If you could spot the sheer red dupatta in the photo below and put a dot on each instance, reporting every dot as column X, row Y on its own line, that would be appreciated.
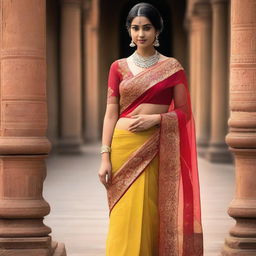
column 180, row 229
column 177, row 131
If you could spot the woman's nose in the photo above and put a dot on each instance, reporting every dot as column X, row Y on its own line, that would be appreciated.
column 141, row 32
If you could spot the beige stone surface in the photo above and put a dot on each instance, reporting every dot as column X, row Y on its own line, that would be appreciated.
column 203, row 44
column 71, row 75
column 23, row 125
column 218, row 150
column 242, row 134
column 193, row 64
column 92, row 71
column 79, row 211
column 53, row 68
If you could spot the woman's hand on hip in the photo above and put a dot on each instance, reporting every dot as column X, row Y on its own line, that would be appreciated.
column 143, row 122
column 105, row 173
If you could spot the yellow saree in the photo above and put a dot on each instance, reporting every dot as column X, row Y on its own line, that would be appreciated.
column 134, row 219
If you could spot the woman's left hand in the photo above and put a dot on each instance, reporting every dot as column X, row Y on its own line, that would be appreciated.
column 144, row 122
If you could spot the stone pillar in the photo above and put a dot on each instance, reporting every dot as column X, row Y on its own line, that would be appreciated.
column 197, row 75
column 202, row 10
column 91, row 71
column 218, row 150
column 23, row 124
column 71, row 89
column 242, row 135
column 52, row 56
column 192, row 63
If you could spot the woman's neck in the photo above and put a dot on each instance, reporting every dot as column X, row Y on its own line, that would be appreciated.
column 146, row 52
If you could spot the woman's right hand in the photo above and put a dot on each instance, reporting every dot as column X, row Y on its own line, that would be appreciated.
column 105, row 173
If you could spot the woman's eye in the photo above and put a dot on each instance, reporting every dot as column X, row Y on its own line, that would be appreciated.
column 134, row 28
column 147, row 28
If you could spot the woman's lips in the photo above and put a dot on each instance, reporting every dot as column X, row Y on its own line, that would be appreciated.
column 141, row 41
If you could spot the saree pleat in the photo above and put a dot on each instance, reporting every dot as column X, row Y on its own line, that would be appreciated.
column 133, row 222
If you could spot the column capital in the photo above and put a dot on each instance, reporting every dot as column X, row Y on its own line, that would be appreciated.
column 218, row 1
column 75, row 2
column 87, row 5
column 197, row 9
column 190, row 23
column 202, row 9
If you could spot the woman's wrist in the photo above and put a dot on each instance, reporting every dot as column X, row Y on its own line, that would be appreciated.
column 105, row 149
column 157, row 118
column 105, row 156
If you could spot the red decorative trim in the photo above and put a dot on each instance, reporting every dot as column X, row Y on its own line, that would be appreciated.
column 169, row 178
column 131, row 169
column 132, row 87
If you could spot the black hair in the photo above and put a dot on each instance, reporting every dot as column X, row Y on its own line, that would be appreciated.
column 147, row 10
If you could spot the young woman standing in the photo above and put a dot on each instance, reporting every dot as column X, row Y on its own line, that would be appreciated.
column 149, row 159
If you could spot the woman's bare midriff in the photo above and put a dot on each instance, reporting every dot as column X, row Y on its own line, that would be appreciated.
column 142, row 109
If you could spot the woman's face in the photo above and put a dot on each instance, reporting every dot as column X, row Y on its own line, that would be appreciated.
column 142, row 32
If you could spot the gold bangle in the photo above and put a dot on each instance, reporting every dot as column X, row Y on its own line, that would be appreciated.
column 105, row 148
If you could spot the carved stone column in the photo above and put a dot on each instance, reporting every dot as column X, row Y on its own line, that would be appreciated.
column 52, row 57
column 23, row 124
column 71, row 83
column 192, row 62
column 218, row 150
column 242, row 135
column 91, row 71
column 202, row 11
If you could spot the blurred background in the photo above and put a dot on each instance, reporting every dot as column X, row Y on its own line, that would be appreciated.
column 83, row 39
column 55, row 58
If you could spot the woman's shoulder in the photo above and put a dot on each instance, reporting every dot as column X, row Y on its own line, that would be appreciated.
column 173, row 62
column 171, row 59
column 117, row 61
column 118, row 67
column 117, row 64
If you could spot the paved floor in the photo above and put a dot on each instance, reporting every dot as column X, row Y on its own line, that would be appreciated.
column 79, row 211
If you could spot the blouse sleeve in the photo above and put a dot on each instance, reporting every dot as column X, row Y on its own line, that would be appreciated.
column 113, row 84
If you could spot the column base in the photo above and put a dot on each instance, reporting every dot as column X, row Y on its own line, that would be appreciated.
column 218, row 153
column 69, row 146
column 25, row 246
column 24, row 252
column 58, row 249
column 24, row 145
column 238, row 246
column 201, row 148
column 31, row 246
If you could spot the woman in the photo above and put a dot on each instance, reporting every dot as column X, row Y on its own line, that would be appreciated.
column 149, row 160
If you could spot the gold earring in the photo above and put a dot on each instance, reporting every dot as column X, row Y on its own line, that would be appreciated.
column 156, row 43
column 132, row 44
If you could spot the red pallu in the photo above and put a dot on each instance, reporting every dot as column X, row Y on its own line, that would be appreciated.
column 180, row 226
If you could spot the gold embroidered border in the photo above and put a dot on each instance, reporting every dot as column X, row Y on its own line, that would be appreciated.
column 123, row 69
column 110, row 97
column 169, row 178
column 194, row 244
column 132, row 88
column 131, row 169
column 198, row 244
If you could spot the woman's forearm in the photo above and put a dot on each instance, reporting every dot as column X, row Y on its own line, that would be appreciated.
column 157, row 118
column 108, row 129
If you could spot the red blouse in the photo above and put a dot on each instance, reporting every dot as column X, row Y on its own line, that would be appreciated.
column 159, row 94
